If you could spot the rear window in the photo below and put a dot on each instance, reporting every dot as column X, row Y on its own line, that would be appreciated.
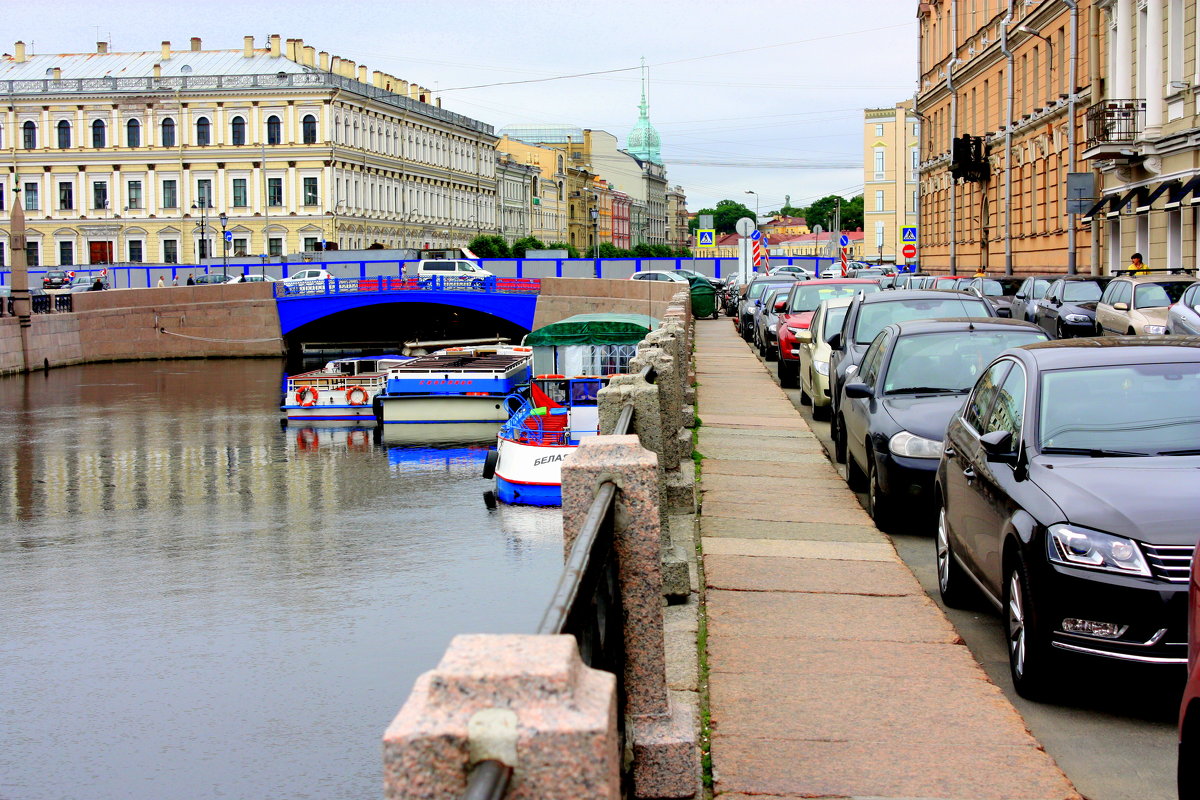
column 1081, row 291
column 1157, row 295
column 756, row 289
column 806, row 297
column 874, row 317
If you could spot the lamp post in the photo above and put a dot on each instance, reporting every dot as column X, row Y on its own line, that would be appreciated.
column 224, row 245
column 204, row 250
column 748, row 191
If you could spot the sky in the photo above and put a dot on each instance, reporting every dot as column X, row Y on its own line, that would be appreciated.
column 764, row 98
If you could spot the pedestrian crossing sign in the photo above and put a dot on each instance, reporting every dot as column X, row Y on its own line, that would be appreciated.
column 706, row 238
column 908, row 235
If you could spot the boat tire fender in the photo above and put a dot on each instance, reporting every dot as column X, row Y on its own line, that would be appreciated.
column 489, row 463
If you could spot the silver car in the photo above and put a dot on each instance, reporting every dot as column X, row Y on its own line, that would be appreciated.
column 1183, row 318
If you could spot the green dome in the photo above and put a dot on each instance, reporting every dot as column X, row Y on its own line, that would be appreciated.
column 644, row 141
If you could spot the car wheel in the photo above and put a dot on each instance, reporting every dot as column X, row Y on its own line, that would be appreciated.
column 1187, row 774
column 477, row 284
column 716, row 312
column 770, row 353
column 1131, row 332
column 805, row 399
column 787, row 374
column 855, row 478
column 1029, row 653
column 1059, row 333
column 879, row 505
column 820, row 412
column 839, row 439
column 952, row 579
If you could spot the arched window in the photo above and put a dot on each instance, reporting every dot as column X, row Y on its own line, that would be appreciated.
column 273, row 132
column 29, row 135
column 98, row 134
column 203, row 131
column 64, row 134
column 168, row 132
column 309, row 125
column 133, row 133
column 237, row 130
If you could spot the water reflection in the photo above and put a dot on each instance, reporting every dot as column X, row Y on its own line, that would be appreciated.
column 221, row 606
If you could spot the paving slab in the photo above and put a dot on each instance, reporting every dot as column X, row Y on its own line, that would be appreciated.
column 783, row 549
column 754, row 574
column 769, row 509
column 738, row 528
column 765, row 469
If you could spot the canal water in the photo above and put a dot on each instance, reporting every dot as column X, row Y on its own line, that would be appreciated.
column 196, row 602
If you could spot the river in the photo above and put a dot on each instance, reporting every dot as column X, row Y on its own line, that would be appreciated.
column 200, row 603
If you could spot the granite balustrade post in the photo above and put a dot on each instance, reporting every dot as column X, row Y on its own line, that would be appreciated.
column 528, row 701
column 662, row 732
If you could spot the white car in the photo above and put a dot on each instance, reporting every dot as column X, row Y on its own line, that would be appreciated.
column 658, row 275
column 789, row 269
column 306, row 281
column 252, row 278
column 451, row 273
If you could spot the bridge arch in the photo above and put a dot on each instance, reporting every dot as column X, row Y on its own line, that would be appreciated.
column 295, row 312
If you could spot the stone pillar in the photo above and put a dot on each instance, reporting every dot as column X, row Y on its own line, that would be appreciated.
column 1153, row 65
column 22, row 308
column 527, row 701
column 662, row 733
column 1124, row 53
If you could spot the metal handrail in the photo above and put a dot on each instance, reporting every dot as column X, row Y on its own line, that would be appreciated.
column 488, row 781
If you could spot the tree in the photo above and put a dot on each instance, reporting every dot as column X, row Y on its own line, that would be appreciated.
column 643, row 250
column 490, row 246
column 524, row 245
column 683, row 252
column 852, row 214
column 610, row 250
column 725, row 216
column 821, row 212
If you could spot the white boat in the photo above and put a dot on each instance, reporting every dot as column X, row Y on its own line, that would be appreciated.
column 455, row 386
column 342, row 391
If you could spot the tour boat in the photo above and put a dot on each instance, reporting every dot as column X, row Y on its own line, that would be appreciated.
column 560, row 410
column 454, row 386
column 342, row 391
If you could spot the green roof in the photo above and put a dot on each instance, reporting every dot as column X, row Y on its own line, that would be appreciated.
column 593, row 329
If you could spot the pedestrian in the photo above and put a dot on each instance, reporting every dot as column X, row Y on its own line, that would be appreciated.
column 174, row 280
column 1136, row 266
column 161, row 282
column 97, row 286
column 191, row 281
column 981, row 272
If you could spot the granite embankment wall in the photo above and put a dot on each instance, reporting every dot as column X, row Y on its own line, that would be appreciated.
column 124, row 325
column 565, row 297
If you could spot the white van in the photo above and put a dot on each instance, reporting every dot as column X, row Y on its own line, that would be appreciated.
column 455, row 272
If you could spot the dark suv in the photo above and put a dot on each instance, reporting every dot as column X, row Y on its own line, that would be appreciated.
column 56, row 279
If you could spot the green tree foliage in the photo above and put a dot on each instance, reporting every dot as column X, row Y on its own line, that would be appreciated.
column 572, row 250
column 852, row 213
column 522, row 246
column 821, row 212
column 610, row 250
column 725, row 216
column 489, row 247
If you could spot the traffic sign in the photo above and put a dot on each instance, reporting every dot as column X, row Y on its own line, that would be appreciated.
column 706, row 238
column 756, row 235
column 744, row 226
column 844, row 241
column 908, row 234
column 229, row 236
column 909, row 251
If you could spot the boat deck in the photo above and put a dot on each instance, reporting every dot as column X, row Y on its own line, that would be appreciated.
column 461, row 362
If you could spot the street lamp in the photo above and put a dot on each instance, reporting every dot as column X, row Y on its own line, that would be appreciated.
column 595, row 232
column 224, row 245
column 748, row 191
column 204, row 250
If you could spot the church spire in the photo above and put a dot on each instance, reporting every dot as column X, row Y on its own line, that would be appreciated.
column 643, row 140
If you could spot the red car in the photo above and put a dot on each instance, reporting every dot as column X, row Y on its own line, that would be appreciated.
column 1189, row 710
column 797, row 314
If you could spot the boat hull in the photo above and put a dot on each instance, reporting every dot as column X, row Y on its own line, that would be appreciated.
column 441, row 409
column 346, row 415
column 530, row 474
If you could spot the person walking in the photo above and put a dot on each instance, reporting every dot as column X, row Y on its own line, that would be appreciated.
column 1136, row 266
column 161, row 282
column 174, row 280
column 191, row 281
column 981, row 272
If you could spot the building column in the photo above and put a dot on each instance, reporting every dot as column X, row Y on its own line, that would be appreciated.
column 1123, row 54
column 1155, row 87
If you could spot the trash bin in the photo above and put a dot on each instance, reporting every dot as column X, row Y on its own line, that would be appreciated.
column 704, row 298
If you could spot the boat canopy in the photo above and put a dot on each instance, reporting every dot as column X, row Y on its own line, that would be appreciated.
column 593, row 329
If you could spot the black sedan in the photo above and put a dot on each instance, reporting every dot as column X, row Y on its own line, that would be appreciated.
column 896, row 408
column 1067, row 494
column 868, row 314
column 1068, row 308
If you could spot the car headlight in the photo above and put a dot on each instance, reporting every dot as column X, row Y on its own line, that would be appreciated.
column 772, row 327
column 794, row 331
column 1156, row 330
column 1077, row 318
column 821, row 367
column 1081, row 547
column 913, row 446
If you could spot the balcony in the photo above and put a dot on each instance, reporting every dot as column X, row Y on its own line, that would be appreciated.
column 1113, row 128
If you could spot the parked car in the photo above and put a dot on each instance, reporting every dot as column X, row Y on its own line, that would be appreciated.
column 1000, row 292
column 751, row 297
column 1069, row 306
column 766, row 323
column 252, row 277
column 212, row 278
column 1066, row 494
column 812, row 346
column 1029, row 294
column 658, row 275
column 905, row 280
column 802, row 303
column 1188, row 770
column 1184, row 317
column 87, row 283
column 871, row 313
column 895, row 408
column 1137, row 304
column 56, row 279
column 790, row 269
column 306, row 281
column 453, row 273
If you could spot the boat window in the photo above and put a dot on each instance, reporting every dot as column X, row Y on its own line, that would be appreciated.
column 556, row 390
column 583, row 393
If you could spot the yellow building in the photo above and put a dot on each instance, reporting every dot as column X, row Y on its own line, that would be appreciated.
column 548, row 216
column 132, row 157
column 891, row 140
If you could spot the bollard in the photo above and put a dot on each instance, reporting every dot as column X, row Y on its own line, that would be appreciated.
column 564, row 740
column 662, row 732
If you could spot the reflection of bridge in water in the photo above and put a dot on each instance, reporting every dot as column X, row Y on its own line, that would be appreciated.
column 511, row 299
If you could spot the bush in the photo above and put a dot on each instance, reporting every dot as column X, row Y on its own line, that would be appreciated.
column 572, row 250
column 524, row 245
column 490, row 247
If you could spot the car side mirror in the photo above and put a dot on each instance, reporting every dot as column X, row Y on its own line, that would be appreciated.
column 835, row 342
column 1019, row 296
column 858, row 390
column 1120, row 306
column 804, row 337
column 1004, row 312
column 758, row 303
column 780, row 305
column 998, row 446
column 1055, row 301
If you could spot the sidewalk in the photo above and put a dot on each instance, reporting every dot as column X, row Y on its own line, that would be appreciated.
column 831, row 674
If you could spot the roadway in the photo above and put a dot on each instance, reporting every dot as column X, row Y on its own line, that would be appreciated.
column 1113, row 734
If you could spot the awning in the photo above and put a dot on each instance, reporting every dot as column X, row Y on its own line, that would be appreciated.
column 1188, row 189
column 593, row 329
column 1156, row 193
column 1098, row 209
column 1136, row 193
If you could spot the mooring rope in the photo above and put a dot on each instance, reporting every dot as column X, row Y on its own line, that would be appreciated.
column 210, row 339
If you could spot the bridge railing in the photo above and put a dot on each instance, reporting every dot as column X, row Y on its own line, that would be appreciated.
column 383, row 283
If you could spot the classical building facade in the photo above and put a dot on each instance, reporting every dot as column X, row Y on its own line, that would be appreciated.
column 1142, row 136
column 891, row 137
column 1001, row 73
column 677, row 218
column 133, row 156
column 514, row 196
column 548, row 215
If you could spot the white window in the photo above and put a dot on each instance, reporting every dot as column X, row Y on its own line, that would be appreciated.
column 879, row 228
column 879, row 199
column 879, row 171
column 879, row 130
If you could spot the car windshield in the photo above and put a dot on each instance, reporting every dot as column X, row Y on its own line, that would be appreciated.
column 949, row 361
column 807, row 297
column 1138, row 409
column 756, row 289
column 1157, row 295
column 1039, row 289
column 874, row 317
column 834, row 317
column 1081, row 291
column 1001, row 288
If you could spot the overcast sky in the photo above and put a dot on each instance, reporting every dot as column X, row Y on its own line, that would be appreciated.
column 777, row 81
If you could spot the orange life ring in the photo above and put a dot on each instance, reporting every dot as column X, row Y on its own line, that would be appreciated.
column 306, row 439
column 306, row 392
column 350, row 393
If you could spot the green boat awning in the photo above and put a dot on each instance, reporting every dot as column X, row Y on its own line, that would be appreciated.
column 593, row 329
